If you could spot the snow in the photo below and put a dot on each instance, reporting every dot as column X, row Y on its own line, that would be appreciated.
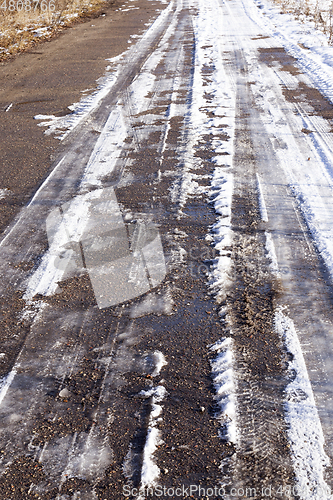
column 271, row 255
column 261, row 199
column 304, row 426
column 6, row 382
column 160, row 361
column 150, row 471
column 208, row 30
column 221, row 195
column 315, row 59
column 107, row 150
column 307, row 159
column 223, row 380
column 304, row 430
column 307, row 183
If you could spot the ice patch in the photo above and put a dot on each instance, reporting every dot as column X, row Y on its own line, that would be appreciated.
column 87, row 455
column 153, row 304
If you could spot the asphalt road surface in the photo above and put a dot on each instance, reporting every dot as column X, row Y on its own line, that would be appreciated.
column 166, row 294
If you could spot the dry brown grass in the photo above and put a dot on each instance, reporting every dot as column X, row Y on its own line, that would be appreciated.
column 23, row 23
column 318, row 11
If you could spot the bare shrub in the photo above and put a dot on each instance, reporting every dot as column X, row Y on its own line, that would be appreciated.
column 320, row 12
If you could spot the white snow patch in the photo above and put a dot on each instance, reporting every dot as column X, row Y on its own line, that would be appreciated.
column 207, row 23
column 271, row 254
column 305, row 431
column 160, row 361
column 6, row 382
column 223, row 379
column 107, row 150
column 44, row 280
column 261, row 199
column 221, row 195
column 150, row 471
column 4, row 193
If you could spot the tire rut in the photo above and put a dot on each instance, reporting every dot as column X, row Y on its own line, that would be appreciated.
column 263, row 458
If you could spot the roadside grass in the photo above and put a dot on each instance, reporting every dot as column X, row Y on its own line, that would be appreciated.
column 320, row 12
column 23, row 23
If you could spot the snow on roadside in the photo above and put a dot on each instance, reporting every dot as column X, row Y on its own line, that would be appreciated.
column 306, row 159
column 304, row 427
column 300, row 39
column 305, row 432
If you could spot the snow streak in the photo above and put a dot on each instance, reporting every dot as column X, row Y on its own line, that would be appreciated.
column 223, row 378
column 150, row 471
column 210, row 117
column 262, row 204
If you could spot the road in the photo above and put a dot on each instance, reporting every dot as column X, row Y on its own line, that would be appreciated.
column 166, row 293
